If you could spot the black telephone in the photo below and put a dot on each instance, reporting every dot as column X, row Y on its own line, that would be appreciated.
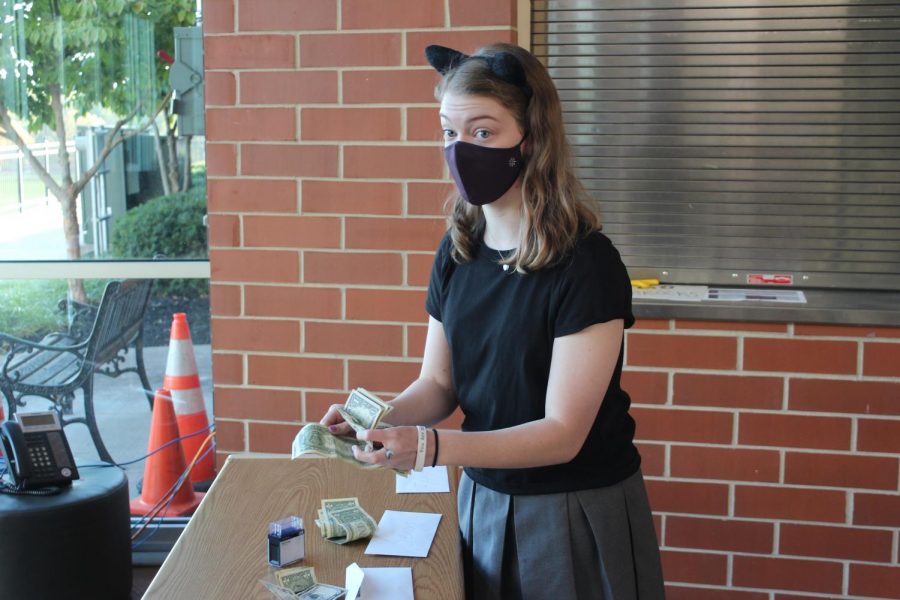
column 37, row 451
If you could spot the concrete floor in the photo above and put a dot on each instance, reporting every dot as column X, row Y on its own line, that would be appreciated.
column 123, row 413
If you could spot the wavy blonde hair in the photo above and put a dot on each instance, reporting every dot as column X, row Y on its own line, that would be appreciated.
column 556, row 206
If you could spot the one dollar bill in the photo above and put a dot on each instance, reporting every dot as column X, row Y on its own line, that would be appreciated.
column 298, row 579
column 343, row 520
column 316, row 439
column 364, row 410
column 300, row 584
column 323, row 591
column 279, row 592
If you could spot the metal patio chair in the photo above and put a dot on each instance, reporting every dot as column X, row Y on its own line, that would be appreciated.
column 61, row 363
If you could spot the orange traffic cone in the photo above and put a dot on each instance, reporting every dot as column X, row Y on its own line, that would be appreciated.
column 183, row 382
column 165, row 467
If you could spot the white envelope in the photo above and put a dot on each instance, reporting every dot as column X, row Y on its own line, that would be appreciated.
column 403, row 533
column 428, row 480
column 379, row 583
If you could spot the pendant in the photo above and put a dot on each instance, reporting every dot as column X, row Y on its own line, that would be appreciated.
column 505, row 267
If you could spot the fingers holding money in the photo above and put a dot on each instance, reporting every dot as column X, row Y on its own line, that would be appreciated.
column 335, row 422
column 383, row 457
column 397, row 450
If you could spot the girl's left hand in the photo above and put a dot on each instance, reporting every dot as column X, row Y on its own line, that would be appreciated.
column 398, row 447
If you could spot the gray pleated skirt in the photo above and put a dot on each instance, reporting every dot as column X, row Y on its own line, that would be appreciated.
column 597, row 544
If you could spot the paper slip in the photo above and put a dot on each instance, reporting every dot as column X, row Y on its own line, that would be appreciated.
column 758, row 295
column 385, row 583
column 680, row 293
column 404, row 534
column 428, row 480
column 353, row 581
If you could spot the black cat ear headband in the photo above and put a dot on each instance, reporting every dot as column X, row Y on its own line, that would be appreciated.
column 503, row 65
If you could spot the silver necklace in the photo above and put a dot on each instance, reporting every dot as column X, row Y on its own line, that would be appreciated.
column 504, row 266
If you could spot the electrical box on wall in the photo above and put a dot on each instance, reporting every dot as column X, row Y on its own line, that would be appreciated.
column 186, row 78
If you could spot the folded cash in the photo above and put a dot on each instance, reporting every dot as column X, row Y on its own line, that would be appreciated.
column 323, row 591
column 343, row 520
column 297, row 579
column 316, row 439
column 363, row 410
column 300, row 584
column 279, row 592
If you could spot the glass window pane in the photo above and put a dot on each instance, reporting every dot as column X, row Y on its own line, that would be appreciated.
column 86, row 87
column 38, row 310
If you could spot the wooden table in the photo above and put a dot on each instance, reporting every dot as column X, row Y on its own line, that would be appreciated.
column 223, row 551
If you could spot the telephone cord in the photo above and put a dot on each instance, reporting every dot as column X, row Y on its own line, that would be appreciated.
column 166, row 499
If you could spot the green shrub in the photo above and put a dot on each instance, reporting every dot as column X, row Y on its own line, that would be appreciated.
column 198, row 175
column 167, row 225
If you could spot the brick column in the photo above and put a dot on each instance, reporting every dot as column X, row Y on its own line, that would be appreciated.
column 326, row 183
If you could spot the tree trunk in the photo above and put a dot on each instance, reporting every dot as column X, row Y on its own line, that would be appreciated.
column 186, row 179
column 71, row 230
column 67, row 200
column 171, row 141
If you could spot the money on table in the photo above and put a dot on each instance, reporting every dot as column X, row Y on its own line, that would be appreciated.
column 278, row 591
column 297, row 580
column 320, row 591
column 300, row 584
column 343, row 520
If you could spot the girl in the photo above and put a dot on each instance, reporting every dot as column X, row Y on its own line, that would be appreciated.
column 528, row 303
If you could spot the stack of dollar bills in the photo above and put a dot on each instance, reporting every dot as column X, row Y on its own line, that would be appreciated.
column 343, row 520
column 300, row 583
column 363, row 410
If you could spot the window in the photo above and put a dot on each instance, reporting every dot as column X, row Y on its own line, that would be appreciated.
column 726, row 140
column 85, row 96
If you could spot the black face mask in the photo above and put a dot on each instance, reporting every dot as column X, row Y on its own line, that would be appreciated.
column 483, row 174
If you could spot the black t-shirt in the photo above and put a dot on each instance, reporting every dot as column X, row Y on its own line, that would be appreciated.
column 501, row 325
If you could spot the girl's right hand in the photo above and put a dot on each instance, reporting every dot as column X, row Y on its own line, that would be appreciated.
column 335, row 422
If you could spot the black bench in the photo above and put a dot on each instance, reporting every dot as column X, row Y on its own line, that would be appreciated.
column 61, row 363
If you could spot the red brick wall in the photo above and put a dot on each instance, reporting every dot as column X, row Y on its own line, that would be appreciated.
column 772, row 456
column 771, row 451
column 326, row 185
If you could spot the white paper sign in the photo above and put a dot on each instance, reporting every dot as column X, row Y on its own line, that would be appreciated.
column 428, row 480
column 404, row 534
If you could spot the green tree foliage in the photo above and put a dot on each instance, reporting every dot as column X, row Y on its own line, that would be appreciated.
column 77, row 55
column 87, row 47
